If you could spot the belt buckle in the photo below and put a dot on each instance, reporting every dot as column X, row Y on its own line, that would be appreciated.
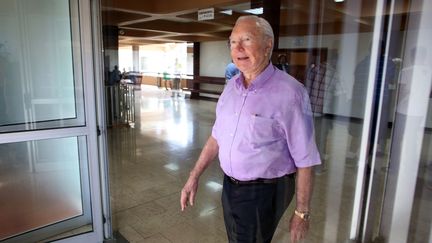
column 234, row 180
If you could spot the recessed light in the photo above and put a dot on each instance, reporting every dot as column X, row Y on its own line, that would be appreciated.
column 227, row 12
column 338, row 1
column 256, row 11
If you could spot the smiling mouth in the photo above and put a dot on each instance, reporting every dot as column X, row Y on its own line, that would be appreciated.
column 242, row 58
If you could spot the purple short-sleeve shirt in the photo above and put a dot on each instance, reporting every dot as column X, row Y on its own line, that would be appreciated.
column 266, row 130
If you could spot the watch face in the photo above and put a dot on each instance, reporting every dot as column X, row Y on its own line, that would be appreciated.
column 304, row 216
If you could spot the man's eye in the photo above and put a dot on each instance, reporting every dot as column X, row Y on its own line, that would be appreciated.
column 247, row 41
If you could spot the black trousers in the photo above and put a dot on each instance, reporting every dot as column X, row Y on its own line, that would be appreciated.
column 252, row 211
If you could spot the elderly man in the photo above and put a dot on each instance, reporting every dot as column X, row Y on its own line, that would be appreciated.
column 264, row 137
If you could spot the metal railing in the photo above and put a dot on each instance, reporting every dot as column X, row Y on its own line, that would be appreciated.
column 120, row 104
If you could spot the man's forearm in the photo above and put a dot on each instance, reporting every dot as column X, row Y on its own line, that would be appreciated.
column 304, row 187
column 208, row 153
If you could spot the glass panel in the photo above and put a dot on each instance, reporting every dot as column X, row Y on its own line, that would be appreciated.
column 40, row 86
column 44, row 182
column 407, row 204
column 420, row 228
column 416, row 76
column 335, row 62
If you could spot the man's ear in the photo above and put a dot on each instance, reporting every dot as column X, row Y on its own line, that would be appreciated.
column 268, row 48
column 269, row 45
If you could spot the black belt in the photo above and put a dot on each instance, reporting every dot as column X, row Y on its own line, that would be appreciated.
column 259, row 180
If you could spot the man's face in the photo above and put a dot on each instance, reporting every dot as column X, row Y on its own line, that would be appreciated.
column 249, row 47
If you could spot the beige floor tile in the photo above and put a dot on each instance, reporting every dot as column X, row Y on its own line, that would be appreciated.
column 157, row 224
column 157, row 238
column 131, row 234
column 211, row 221
column 185, row 233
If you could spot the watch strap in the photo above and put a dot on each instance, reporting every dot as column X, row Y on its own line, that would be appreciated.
column 303, row 215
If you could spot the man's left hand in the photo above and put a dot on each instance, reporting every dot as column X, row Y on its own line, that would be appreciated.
column 298, row 228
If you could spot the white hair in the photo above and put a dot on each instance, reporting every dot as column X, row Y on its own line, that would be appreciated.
column 263, row 25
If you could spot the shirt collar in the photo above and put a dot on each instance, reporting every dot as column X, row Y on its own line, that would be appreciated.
column 259, row 81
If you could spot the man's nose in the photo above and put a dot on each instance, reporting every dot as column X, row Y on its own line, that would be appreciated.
column 239, row 45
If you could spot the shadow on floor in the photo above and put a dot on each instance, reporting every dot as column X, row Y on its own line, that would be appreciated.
column 118, row 238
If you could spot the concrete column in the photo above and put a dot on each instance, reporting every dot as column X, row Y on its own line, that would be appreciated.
column 196, row 69
column 110, row 46
column 135, row 58
column 110, row 52
column 272, row 15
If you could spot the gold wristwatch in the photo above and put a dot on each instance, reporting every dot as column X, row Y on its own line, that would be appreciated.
column 303, row 215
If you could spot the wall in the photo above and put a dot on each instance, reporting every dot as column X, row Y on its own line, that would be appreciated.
column 149, row 80
column 152, row 80
column 214, row 57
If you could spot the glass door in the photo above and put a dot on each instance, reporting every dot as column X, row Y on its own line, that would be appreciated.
column 49, row 170
column 399, row 201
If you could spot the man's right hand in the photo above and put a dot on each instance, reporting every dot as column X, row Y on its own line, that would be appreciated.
column 207, row 155
column 188, row 192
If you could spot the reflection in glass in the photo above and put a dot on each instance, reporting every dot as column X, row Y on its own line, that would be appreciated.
column 409, row 178
column 338, row 98
column 41, row 183
column 415, row 90
column 38, row 86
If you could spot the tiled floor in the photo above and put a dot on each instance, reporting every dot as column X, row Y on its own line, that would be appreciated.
column 150, row 163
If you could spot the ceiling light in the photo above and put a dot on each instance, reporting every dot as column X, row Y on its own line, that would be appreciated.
column 338, row 1
column 256, row 11
column 227, row 12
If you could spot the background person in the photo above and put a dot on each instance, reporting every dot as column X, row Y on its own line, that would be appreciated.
column 167, row 80
column 359, row 93
column 230, row 71
column 115, row 75
column 282, row 63
column 264, row 137
column 323, row 86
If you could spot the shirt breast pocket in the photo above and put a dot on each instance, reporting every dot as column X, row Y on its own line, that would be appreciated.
column 263, row 131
